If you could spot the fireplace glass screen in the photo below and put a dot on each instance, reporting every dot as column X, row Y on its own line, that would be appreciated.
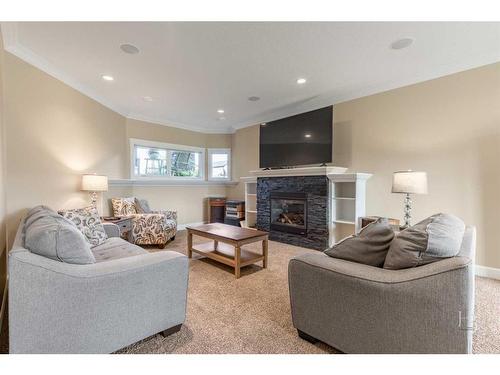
column 288, row 212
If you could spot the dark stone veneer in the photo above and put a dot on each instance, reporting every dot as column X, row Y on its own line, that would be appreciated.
column 316, row 188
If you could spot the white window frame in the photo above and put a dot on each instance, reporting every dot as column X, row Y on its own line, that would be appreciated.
column 170, row 146
column 212, row 151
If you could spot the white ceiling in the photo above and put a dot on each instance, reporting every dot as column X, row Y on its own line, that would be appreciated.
column 193, row 69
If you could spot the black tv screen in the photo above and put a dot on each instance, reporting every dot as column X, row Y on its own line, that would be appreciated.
column 297, row 140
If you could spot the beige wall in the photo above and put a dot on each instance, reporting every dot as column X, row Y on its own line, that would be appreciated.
column 162, row 133
column 54, row 134
column 245, row 151
column 188, row 201
column 449, row 127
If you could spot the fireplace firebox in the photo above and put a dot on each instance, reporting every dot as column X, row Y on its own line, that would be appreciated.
column 289, row 212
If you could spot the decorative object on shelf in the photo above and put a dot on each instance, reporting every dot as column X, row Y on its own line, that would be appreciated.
column 409, row 182
column 94, row 183
column 235, row 212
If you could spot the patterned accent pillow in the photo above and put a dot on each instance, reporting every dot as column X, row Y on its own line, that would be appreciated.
column 123, row 206
column 88, row 222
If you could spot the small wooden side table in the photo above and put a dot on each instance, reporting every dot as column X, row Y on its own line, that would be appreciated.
column 124, row 223
column 394, row 223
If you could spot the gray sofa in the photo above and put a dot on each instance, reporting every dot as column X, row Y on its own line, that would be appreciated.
column 127, row 295
column 363, row 309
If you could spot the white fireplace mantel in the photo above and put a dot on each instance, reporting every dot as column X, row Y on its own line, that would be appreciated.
column 301, row 171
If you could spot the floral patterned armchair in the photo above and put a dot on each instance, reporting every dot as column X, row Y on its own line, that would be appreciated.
column 149, row 227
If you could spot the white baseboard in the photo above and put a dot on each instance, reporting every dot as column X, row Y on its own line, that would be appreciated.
column 490, row 272
column 183, row 226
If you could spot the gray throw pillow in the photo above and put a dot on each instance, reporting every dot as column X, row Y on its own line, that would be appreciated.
column 369, row 246
column 142, row 206
column 57, row 238
column 36, row 213
column 88, row 221
column 435, row 238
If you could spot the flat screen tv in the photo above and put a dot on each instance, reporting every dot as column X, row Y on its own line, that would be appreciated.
column 297, row 140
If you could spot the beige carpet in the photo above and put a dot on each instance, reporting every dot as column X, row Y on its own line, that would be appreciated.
column 252, row 314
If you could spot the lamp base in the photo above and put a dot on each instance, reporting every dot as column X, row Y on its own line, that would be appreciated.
column 93, row 199
column 407, row 210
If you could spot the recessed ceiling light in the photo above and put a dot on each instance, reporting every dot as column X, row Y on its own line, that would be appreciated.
column 401, row 43
column 301, row 81
column 107, row 78
column 129, row 48
column 307, row 135
column 147, row 98
column 220, row 111
column 253, row 98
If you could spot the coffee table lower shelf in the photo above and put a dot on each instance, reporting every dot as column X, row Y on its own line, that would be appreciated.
column 226, row 245
column 225, row 253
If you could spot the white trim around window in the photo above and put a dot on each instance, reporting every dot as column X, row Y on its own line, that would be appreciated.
column 219, row 151
column 169, row 147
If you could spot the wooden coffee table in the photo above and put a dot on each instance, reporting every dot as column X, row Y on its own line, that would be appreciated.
column 226, row 245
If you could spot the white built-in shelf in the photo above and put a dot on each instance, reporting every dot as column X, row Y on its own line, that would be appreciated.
column 250, row 199
column 347, row 203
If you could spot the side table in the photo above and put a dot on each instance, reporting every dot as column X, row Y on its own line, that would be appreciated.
column 124, row 223
column 394, row 223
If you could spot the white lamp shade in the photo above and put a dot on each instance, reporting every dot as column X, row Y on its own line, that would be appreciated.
column 409, row 182
column 93, row 182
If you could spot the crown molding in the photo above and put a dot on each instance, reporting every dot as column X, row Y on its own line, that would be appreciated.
column 333, row 98
column 12, row 45
column 175, row 124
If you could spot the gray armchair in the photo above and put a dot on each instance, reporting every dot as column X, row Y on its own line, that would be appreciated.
column 362, row 309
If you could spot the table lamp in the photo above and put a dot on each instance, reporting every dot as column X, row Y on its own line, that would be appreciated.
column 94, row 183
column 409, row 182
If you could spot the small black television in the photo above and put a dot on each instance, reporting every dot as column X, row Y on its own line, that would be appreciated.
column 297, row 140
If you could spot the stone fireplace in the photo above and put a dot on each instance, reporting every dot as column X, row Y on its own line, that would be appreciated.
column 294, row 210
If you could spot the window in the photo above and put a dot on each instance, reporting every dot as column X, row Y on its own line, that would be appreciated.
column 164, row 160
column 219, row 164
